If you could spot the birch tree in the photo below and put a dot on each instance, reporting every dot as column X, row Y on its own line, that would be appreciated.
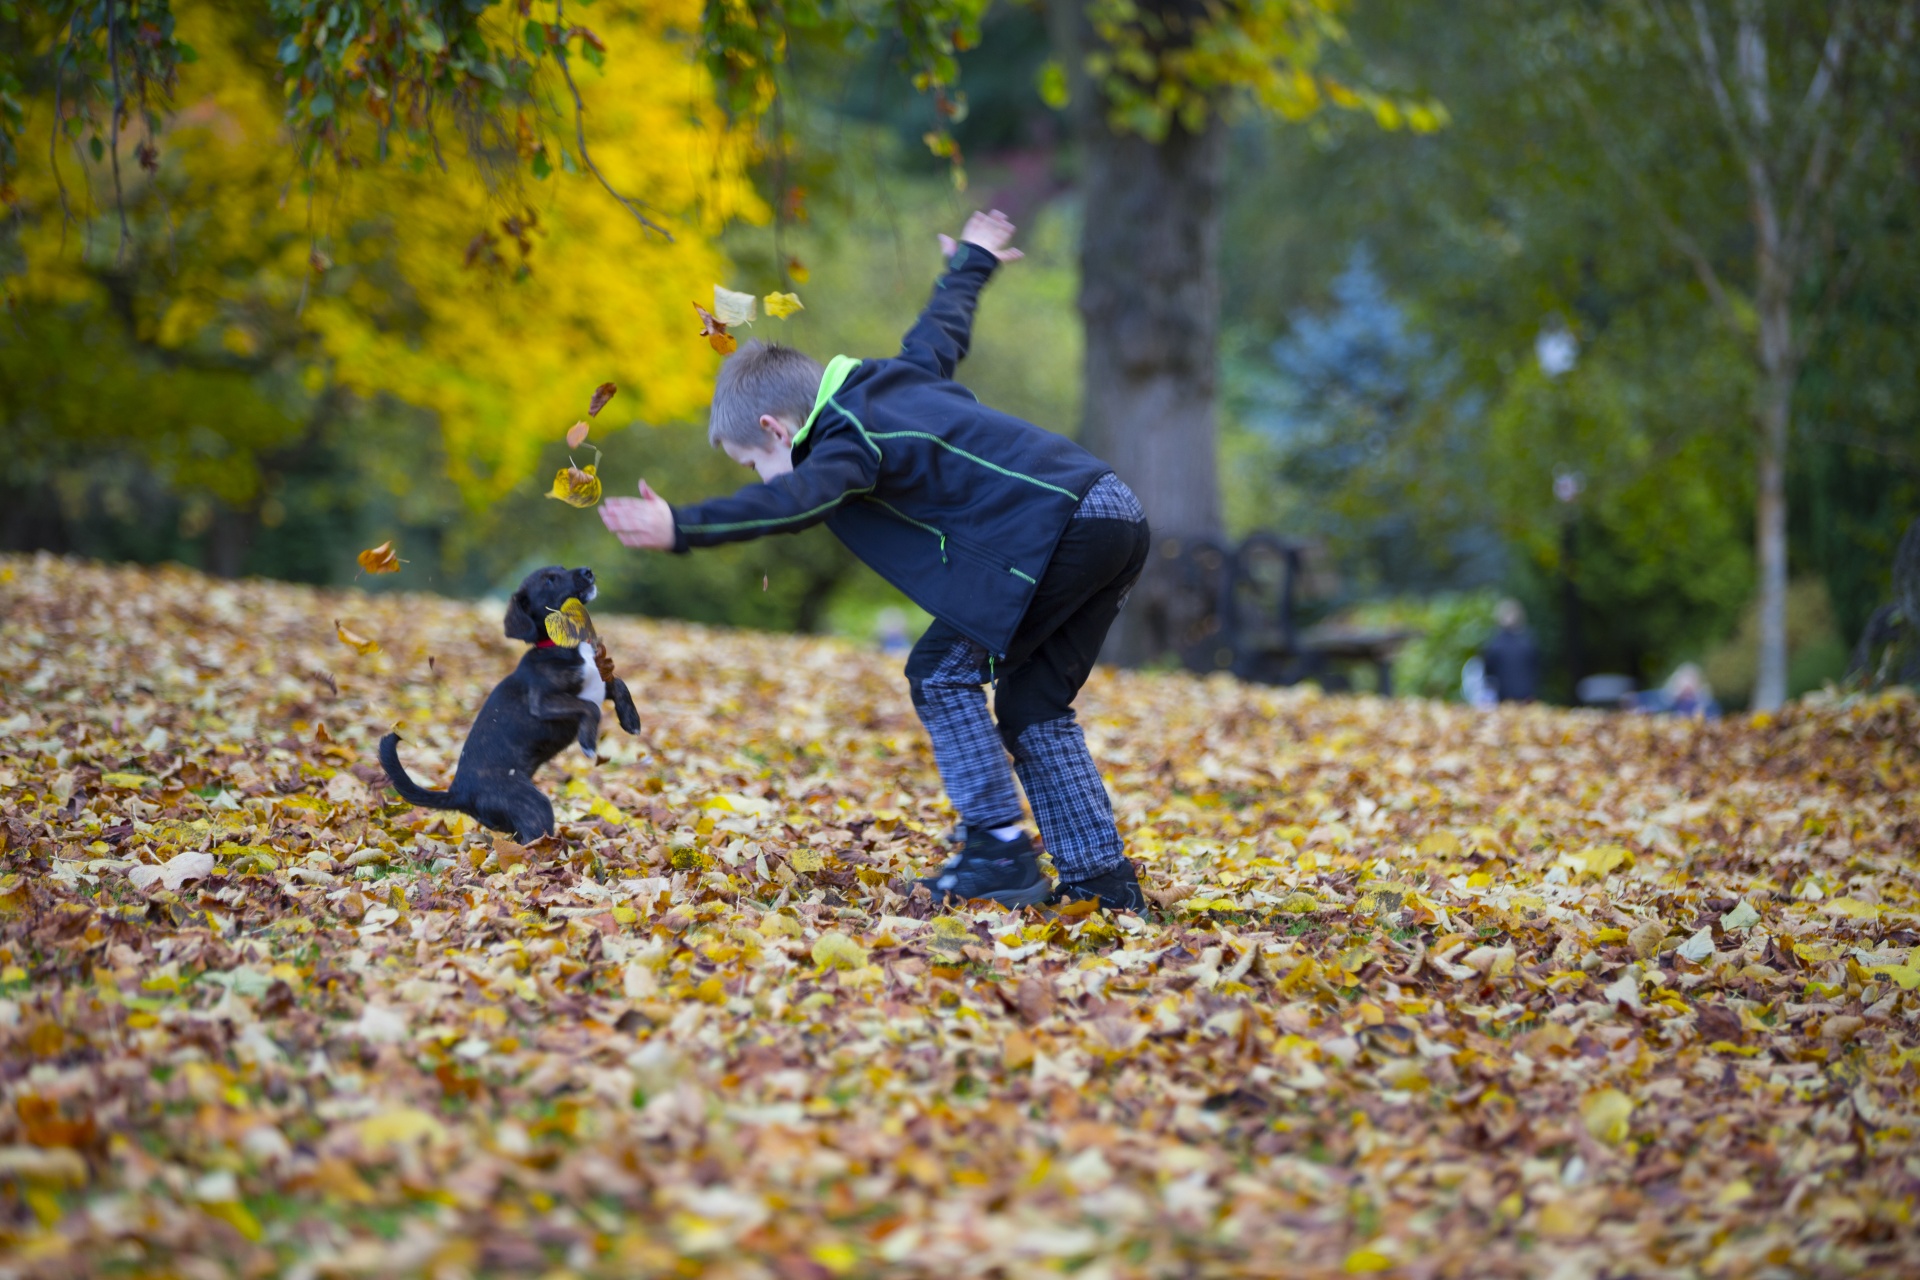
column 1795, row 98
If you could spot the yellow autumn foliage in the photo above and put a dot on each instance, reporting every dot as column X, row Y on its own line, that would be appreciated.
column 402, row 280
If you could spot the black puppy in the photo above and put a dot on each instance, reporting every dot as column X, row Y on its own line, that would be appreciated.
column 552, row 698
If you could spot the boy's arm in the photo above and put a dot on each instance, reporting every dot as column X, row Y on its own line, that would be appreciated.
column 938, row 341
column 839, row 467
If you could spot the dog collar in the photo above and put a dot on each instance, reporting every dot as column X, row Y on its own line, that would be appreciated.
column 545, row 644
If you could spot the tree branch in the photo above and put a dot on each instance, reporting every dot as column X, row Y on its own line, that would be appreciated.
column 580, row 128
column 1689, row 248
column 113, row 131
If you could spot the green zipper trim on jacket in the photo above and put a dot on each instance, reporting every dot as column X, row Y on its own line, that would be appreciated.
column 780, row 520
column 918, row 524
column 1023, row 577
column 973, row 457
column 831, row 380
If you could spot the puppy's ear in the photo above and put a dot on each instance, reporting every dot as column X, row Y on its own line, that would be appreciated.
column 520, row 624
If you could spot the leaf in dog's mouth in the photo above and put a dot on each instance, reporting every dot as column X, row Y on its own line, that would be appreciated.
column 380, row 559
column 576, row 486
column 353, row 639
column 569, row 625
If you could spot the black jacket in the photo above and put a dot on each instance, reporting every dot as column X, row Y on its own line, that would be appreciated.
column 1512, row 662
column 955, row 504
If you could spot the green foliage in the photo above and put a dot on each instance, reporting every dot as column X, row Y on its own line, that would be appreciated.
column 1451, row 628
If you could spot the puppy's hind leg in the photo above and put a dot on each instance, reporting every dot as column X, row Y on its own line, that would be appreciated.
column 519, row 807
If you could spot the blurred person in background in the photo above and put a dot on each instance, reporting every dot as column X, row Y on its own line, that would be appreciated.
column 1510, row 661
column 1686, row 693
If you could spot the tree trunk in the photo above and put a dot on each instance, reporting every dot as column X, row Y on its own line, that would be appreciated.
column 1770, row 540
column 1150, row 303
column 228, row 540
column 1779, row 370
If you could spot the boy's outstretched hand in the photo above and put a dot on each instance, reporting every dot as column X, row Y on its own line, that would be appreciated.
column 992, row 231
column 645, row 522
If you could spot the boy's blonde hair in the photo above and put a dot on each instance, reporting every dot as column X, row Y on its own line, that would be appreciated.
column 761, row 378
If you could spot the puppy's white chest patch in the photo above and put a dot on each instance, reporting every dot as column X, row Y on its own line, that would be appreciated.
column 592, row 688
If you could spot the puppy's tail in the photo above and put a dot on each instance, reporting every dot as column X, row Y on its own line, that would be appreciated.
column 410, row 791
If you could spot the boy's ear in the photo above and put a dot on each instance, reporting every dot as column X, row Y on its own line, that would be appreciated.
column 781, row 431
column 519, row 621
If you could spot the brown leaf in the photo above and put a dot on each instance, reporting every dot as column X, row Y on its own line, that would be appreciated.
column 380, row 559
column 1034, row 999
column 715, row 332
column 601, row 394
column 577, row 434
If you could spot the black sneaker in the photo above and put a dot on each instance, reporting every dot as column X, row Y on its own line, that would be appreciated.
column 1002, row 871
column 1116, row 889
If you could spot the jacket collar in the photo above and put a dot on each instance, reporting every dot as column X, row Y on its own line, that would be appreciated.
column 838, row 370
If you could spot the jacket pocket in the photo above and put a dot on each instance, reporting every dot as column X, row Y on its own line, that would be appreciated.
column 979, row 554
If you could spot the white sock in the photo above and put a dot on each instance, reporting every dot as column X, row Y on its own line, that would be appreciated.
column 1004, row 834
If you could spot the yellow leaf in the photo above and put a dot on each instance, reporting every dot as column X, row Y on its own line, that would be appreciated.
column 400, row 1126
column 237, row 1216
column 725, row 343
column 806, row 860
column 1366, row 1260
column 1599, row 861
column 576, row 486
column 127, row 781
column 797, row 271
column 1733, row 1193
column 1853, row 909
column 1567, row 1219
column 569, row 625
column 835, row 950
column 1606, row 1113
column 782, row 305
column 380, row 559
column 731, row 308
column 354, row 640
column 836, row 1256
column 1907, row 975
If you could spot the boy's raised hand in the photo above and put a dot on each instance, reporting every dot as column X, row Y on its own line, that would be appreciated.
column 645, row 522
column 992, row 231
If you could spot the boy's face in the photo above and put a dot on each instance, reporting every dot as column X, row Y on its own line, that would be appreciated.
column 771, row 459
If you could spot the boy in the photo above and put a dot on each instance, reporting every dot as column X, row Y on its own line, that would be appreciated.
column 1021, row 544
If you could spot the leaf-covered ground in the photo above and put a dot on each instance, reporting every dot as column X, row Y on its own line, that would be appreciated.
column 1425, row 990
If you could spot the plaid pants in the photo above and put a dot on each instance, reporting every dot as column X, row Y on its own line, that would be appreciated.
column 1096, row 563
column 1063, row 784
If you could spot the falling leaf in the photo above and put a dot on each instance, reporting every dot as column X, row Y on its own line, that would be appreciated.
column 354, row 640
column 320, row 262
column 380, row 559
column 782, row 305
column 797, row 271
column 576, row 486
column 570, row 626
column 715, row 332
column 601, row 394
column 763, row 582
column 1606, row 1113
column 577, row 434
column 731, row 308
